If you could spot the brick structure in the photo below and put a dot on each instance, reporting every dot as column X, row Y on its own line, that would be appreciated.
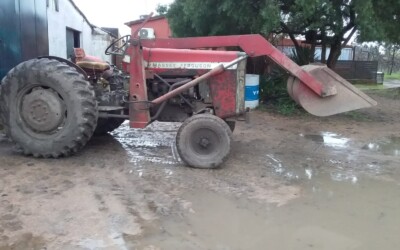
column 158, row 23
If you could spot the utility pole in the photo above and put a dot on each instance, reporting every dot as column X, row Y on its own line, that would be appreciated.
column 392, row 61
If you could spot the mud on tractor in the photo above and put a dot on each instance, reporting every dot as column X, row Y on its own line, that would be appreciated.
column 51, row 107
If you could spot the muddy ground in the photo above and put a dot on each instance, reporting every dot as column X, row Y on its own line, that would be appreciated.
column 295, row 182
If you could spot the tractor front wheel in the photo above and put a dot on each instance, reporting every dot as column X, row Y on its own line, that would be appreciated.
column 48, row 109
column 204, row 141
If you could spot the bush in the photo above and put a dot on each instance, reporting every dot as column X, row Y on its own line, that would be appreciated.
column 273, row 92
column 303, row 57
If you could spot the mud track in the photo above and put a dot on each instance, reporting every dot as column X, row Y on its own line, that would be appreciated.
column 291, row 183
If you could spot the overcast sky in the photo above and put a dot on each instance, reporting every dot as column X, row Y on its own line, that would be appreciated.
column 114, row 13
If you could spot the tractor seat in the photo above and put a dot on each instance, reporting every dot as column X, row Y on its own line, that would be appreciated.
column 91, row 63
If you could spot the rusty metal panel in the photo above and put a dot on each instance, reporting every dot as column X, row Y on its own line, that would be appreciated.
column 223, row 93
column 139, row 114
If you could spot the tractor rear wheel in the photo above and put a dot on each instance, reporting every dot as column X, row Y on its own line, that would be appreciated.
column 48, row 108
column 204, row 141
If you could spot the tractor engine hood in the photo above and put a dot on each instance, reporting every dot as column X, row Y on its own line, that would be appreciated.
column 162, row 60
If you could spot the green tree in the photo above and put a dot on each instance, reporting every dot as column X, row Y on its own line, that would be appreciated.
column 383, row 22
column 162, row 9
column 329, row 23
column 223, row 17
column 322, row 22
column 383, row 26
column 391, row 53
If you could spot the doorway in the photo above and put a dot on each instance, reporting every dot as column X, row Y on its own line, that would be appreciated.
column 73, row 41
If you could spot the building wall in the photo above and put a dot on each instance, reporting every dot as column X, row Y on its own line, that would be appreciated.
column 93, row 40
column 99, row 42
column 160, row 26
column 346, row 55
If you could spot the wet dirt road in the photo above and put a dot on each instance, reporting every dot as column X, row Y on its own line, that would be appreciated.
column 290, row 183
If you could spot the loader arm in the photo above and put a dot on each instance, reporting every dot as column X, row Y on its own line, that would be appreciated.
column 254, row 45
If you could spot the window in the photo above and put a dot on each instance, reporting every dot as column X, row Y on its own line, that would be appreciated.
column 57, row 7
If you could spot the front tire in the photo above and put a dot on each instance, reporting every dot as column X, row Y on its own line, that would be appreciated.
column 48, row 108
column 204, row 141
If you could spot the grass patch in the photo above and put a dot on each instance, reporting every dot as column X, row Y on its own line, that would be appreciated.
column 369, row 86
column 393, row 76
column 393, row 94
column 357, row 116
column 284, row 108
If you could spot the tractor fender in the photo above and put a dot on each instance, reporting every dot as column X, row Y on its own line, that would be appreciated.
column 68, row 62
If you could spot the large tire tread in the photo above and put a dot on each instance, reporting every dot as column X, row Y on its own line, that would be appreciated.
column 187, row 156
column 75, row 82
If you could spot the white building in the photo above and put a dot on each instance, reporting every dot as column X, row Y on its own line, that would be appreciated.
column 68, row 28
column 287, row 47
column 32, row 28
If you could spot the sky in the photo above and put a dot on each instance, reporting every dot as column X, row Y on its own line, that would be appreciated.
column 114, row 13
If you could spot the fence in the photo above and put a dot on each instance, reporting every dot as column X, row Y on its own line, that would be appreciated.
column 357, row 70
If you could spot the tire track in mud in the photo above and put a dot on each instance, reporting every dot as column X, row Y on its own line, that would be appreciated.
column 116, row 192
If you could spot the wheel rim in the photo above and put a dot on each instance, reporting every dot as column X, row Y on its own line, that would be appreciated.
column 43, row 110
column 205, row 142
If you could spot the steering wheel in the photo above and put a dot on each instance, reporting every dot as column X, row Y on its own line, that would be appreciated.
column 116, row 49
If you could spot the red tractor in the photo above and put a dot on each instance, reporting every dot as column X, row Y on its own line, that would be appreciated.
column 50, row 107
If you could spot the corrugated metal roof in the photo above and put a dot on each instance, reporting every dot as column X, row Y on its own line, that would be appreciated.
column 81, row 13
column 87, row 20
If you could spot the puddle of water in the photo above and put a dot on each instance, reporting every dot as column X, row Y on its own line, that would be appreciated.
column 337, row 176
column 340, row 171
column 91, row 244
column 154, row 144
column 330, row 215
column 387, row 146
column 280, row 169
column 116, row 241
column 328, row 139
column 118, row 226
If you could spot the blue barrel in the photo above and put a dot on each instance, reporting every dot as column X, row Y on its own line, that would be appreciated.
column 252, row 91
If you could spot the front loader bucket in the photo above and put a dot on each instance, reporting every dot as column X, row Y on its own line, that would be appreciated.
column 346, row 99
